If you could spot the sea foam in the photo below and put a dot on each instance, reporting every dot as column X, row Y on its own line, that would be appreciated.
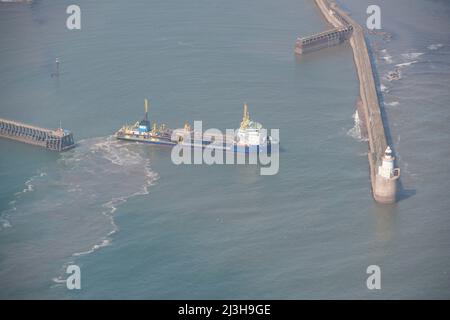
column 355, row 132
column 412, row 55
column 435, row 46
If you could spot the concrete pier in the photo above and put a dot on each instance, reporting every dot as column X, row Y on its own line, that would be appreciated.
column 384, row 188
column 323, row 40
column 56, row 140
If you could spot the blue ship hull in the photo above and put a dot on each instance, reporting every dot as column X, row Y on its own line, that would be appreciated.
column 252, row 149
column 149, row 141
column 204, row 144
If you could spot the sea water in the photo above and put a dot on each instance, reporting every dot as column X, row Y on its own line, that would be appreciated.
column 140, row 227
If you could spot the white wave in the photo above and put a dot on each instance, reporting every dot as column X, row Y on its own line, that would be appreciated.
column 29, row 183
column 85, row 189
column 388, row 59
column 412, row 55
column 115, row 152
column 4, row 223
column 59, row 280
column 355, row 132
column 383, row 88
column 112, row 208
column 406, row 64
column 5, row 216
column 392, row 104
column 29, row 187
column 435, row 46
column 106, row 241
column 102, row 244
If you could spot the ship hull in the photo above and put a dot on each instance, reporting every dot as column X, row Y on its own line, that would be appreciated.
column 147, row 141
column 202, row 145
column 252, row 149
column 236, row 148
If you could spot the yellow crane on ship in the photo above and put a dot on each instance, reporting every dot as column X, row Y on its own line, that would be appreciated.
column 245, row 118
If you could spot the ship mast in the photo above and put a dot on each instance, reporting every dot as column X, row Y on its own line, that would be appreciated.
column 245, row 117
column 146, row 109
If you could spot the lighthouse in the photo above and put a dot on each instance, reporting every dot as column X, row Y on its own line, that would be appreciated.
column 386, row 170
column 386, row 179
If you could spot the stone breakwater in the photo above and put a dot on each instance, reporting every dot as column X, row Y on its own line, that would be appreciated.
column 383, row 188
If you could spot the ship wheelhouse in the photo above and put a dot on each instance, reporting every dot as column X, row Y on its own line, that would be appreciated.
column 249, row 132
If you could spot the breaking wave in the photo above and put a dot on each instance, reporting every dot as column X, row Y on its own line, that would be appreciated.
column 412, row 55
column 392, row 104
column 355, row 132
column 435, row 46
column 406, row 64
column 4, row 222
column 28, row 187
column 388, row 59
column 384, row 55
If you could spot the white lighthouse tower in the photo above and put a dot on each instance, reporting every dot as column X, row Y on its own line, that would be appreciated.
column 385, row 183
column 386, row 170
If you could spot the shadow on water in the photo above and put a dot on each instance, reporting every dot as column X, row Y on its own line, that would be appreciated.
column 385, row 215
column 320, row 55
column 402, row 193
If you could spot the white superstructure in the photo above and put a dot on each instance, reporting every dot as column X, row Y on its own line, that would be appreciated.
column 249, row 133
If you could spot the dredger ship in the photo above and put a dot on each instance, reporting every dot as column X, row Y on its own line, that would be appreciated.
column 248, row 138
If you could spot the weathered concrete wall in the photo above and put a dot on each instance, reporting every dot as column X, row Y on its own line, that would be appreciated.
column 385, row 190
